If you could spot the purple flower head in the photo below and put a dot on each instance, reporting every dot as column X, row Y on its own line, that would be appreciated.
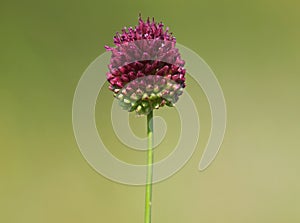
column 145, row 71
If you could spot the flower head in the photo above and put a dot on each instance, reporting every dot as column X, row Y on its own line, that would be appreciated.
column 145, row 71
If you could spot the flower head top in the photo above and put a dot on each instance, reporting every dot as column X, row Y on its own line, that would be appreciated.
column 145, row 71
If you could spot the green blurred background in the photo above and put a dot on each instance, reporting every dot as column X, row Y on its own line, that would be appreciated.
column 254, row 49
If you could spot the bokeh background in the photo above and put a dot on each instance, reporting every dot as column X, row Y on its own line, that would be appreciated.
column 253, row 48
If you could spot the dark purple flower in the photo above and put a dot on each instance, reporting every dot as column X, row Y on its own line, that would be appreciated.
column 145, row 71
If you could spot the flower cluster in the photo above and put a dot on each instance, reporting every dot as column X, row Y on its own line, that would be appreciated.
column 145, row 70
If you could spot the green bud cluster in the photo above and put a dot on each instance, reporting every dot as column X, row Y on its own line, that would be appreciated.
column 147, row 93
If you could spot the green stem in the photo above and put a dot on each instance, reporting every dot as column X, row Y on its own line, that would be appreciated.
column 148, row 199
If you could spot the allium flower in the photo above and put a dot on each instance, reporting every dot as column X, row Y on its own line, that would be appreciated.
column 145, row 71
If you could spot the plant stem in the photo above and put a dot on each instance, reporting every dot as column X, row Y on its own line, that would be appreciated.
column 148, row 199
